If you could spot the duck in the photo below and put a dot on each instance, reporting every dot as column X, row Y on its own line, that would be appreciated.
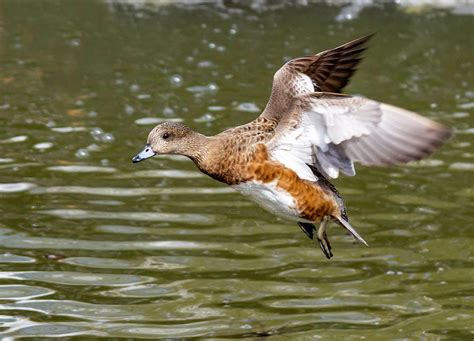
column 308, row 134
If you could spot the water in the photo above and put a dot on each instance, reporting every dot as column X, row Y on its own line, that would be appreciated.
column 92, row 245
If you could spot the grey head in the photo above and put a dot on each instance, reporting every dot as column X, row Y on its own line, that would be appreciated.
column 171, row 138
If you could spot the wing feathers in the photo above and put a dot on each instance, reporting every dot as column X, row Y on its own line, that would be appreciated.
column 331, row 70
column 336, row 130
column 327, row 71
column 400, row 137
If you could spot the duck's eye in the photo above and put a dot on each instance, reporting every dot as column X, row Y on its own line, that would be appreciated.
column 166, row 136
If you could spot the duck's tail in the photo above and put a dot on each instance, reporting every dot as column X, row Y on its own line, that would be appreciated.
column 344, row 223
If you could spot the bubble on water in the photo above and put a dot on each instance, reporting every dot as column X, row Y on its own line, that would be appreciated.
column 119, row 81
column 233, row 30
column 469, row 94
column 433, row 105
column 350, row 12
column 99, row 135
column 93, row 148
column 349, row 16
column 167, row 111
column 189, row 59
column 5, row 106
column 134, row 87
column 96, row 133
column 92, row 113
column 82, row 153
column 129, row 109
column 16, row 187
column 66, row 130
column 15, row 139
column 460, row 114
column 79, row 103
column 248, row 107
column 216, row 108
column 220, row 48
column 43, row 145
column 107, row 137
column 211, row 46
column 75, row 42
column 205, row 64
column 211, row 87
column 176, row 80
column 6, row 160
column 469, row 105
column 144, row 96
column 462, row 166
column 207, row 117
column 155, row 120
column 104, row 162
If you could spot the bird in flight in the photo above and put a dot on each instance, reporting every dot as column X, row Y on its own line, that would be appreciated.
column 307, row 134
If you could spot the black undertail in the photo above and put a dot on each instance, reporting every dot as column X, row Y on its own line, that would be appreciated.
column 307, row 228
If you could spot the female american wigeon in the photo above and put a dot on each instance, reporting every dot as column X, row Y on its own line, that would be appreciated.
column 307, row 134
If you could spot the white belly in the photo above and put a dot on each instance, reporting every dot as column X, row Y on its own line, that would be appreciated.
column 272, row 198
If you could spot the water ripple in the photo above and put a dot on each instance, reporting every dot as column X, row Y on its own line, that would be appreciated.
column 162, row 173
column 24, row 242
column 132, row 216
column 22, row 292
column 16, row 187
column 131, row 192
column 76, row 278
column 103, row 312
column 82, row 169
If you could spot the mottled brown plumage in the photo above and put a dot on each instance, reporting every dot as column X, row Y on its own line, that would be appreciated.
column 306, row 135
column 312, row 201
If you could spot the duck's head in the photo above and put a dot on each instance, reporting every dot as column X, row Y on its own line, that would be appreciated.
column 170, row 138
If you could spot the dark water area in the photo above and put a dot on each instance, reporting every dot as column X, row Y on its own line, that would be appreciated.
column 93, row 246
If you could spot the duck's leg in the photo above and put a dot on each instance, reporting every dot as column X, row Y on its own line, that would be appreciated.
column 323, row 238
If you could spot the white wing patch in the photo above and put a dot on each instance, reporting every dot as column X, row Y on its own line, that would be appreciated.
column 332, row 131
column 321, row 129
column 295, row 153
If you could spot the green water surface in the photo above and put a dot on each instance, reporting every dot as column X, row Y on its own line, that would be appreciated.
column 93, row 246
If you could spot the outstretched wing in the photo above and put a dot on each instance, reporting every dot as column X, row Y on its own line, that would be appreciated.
column 332, row 131
column 327, row 71
column 331, row 70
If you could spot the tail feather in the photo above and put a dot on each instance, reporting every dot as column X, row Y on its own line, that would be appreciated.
column 307, row 228
column 352, row 230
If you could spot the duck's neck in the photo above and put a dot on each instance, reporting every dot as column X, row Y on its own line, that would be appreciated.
column 207, row 154
column 197, row 148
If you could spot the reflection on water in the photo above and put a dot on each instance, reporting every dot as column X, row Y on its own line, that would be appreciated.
column 92, row 245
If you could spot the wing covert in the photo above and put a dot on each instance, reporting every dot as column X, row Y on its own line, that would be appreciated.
column 332, row 131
